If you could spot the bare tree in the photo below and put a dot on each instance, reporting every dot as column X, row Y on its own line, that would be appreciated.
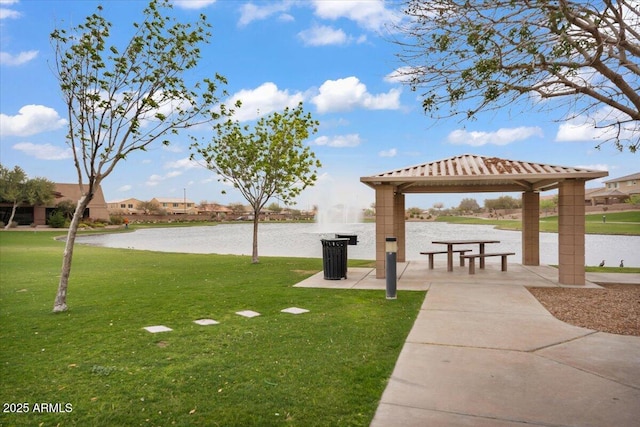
column 149, row 207
column 121, row 100
column 471, row 56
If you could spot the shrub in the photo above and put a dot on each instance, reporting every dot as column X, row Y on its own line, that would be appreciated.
column 57, row 219
column 116, row 219
column 634, row 200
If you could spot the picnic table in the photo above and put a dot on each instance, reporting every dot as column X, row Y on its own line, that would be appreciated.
column 451, row 243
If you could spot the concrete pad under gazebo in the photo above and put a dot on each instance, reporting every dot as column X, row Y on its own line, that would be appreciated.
column 479, row 174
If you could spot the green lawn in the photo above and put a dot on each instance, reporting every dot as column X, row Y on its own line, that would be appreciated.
column 595, row 269
column 326, row 367
column 619, row 223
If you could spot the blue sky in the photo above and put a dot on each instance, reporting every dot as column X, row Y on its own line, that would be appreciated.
column 335, row 56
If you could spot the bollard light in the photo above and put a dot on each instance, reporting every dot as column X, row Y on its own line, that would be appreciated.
column 391, row 248
column 391, row 245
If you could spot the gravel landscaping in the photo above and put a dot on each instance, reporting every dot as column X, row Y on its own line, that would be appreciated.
column 614, row 309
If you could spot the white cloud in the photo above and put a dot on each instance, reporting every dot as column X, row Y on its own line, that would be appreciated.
column 154, row 180
column 351, row 140
column 173, row 148
column 349, row 93
column 372, row 14
column 598, row 167
column 583, row 128
column 402, row 75
column 502, row 136
column 322, row 35
column 44, row 151
column 124, row 188
column 578, row 131
column 193, row 4
column 388, row 153
column 250, row 12
column 8, row 13
column 30, row 120
column 19, row 59
column 183, row 164
column 263, row 100
column 285, row 17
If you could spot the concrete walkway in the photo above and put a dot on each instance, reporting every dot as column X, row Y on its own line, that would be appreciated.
column 484, row 352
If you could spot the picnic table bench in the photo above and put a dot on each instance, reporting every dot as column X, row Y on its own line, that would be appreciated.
column 472, row 257
column 432, row 253
column 451, row 243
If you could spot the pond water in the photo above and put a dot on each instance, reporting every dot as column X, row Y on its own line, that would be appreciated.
column 303, row 240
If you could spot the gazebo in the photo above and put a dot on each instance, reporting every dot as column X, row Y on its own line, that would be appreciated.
column 470, row 173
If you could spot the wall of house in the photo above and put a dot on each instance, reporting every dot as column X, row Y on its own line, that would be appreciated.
column 631, row 186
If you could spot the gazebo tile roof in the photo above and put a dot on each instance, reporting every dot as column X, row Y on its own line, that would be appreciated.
column 472, row 165
column 470, row 171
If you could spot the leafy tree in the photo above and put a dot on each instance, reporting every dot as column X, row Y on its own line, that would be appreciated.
column 295, row 213
column 266, row 160
column 16, row 188
column 472, row 56
column 237, row 208
column 502, row 202
column 274, row 207
column 548, row 205
column 122, row 99
column 468, row 205
column 66, row 208
column 414, row 212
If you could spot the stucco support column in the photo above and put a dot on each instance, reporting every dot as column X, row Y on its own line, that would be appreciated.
column 385, row 224
column 530, row 228
column 571, row 230
column 399, row 214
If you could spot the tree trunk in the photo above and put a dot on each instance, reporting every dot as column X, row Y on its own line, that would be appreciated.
column 254, row 255
column 60, row 303
column 13, row 213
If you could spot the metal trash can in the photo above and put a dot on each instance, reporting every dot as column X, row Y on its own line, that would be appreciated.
column 353, row 238
column 334, row 258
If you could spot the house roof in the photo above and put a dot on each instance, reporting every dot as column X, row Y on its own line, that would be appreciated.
column 473, row 173
column 625, row 178
column 72, row 192
column 129, row 200
column 605, row 192
column 171, row 200
column 214, row 207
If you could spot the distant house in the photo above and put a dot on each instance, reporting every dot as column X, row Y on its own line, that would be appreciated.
column 215, row 211
column 629, row 184
column 616, row 190
column 176, row 206
column 37, row 215
column 125, row 207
